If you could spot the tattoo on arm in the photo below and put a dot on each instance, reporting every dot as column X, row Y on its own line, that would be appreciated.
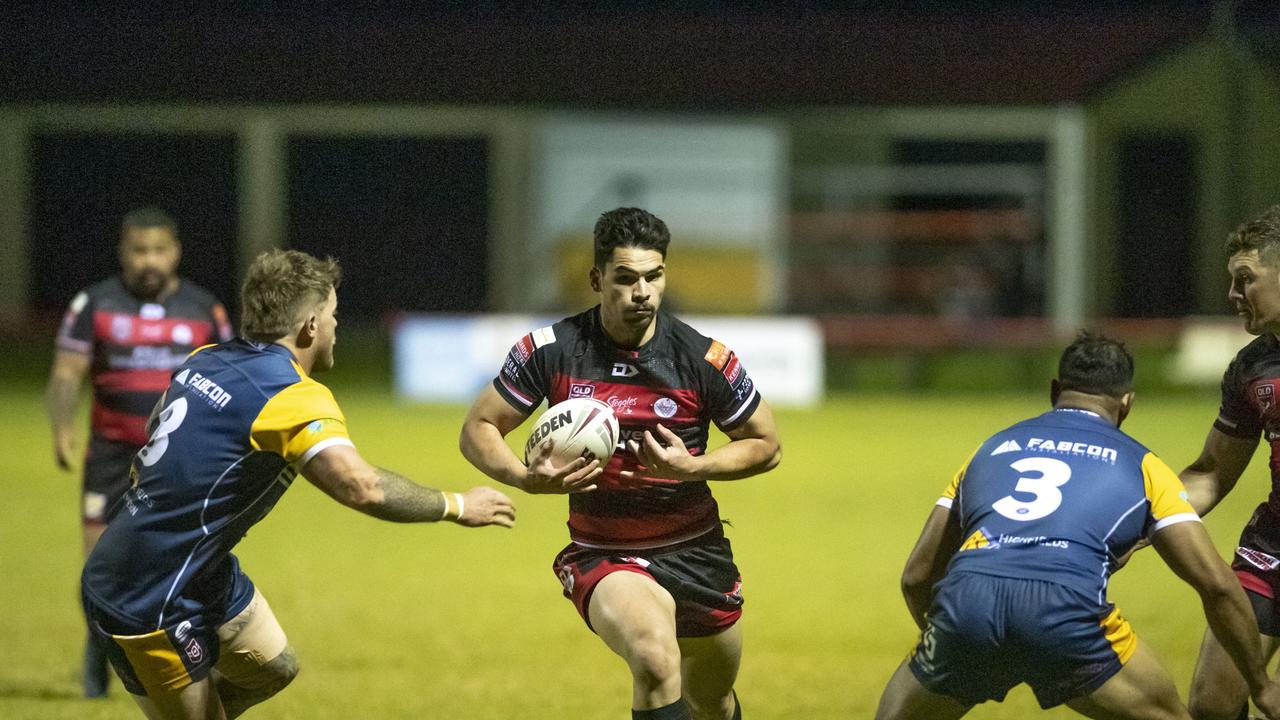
column 406, row 501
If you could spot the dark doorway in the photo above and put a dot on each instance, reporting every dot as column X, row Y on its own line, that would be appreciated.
column 1156, row 228
column 83, row 184
column 406, row 217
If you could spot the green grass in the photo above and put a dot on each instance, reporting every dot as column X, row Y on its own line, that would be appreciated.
column 424, row 621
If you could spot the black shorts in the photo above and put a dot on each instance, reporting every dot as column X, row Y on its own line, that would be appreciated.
column 1257, row 565
column 700, row 575
column 106, row 477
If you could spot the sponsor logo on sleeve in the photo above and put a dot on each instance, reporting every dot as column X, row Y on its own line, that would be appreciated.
column 718, row 354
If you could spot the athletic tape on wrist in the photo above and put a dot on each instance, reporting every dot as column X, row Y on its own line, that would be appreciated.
column 462, row 506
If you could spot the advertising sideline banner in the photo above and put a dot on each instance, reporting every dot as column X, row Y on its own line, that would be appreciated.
column 449, row 358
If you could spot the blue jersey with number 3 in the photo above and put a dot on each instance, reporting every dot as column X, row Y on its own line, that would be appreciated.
column 240, row 418
column 1059, row 497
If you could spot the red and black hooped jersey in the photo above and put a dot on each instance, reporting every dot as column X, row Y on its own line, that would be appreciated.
column 680, row 378
column 1249, row 389
column 135, row 345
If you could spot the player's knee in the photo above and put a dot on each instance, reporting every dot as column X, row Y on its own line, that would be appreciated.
column 654, row 661
column 1213, row 706
column 272, row 676
column 283, row 669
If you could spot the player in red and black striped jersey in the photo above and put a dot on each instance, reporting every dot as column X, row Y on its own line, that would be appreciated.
column 648, row 566
column 1249, row 410
column 127, row 333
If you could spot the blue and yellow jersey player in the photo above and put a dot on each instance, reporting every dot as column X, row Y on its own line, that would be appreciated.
column 185, row 629
column 1008, row 580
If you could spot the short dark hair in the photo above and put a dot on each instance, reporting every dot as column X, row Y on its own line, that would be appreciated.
column 149, row 217
column 629, row 227
column 1097, row 365
column 1261, row 233
column 279, row 286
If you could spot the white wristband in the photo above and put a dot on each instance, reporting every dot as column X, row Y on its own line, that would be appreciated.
column 462, row 506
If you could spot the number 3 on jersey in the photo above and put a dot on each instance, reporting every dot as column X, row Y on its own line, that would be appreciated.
column 1052, row 474
column 170, row 418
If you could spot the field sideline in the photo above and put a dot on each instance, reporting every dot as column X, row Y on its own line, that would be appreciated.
column 416, row 622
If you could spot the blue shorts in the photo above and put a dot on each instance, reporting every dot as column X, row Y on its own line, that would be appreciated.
column 987, row 634
column 150, row 659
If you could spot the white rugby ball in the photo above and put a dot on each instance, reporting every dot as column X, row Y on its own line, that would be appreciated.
column 577, row 427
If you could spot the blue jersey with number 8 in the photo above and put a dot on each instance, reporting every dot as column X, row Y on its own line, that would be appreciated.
column 1059, row 497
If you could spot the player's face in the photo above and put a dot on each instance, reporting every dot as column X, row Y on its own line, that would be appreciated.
column 149, row 258
column 1255, row 292
column 326, row 333
column 631, row 286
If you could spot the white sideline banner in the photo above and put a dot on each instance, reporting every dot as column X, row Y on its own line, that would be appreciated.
column 449, row 358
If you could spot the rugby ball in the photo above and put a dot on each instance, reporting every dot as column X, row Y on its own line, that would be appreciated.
column 578, row 427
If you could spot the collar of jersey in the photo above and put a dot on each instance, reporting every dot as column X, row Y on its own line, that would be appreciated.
column 1077, row 411
column 272, row 348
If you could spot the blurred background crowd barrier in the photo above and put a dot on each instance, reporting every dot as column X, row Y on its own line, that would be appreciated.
column 911, row 184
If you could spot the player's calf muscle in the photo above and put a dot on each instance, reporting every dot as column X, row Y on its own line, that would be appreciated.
column 272, row 677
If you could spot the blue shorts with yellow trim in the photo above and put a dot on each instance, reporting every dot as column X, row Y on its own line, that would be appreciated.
column 987, row 634
column 152, row 660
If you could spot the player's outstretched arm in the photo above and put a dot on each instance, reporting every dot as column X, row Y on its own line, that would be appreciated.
column 345, row 476
column 753, row 448
column 1189, row 552
column 60, row 399
column 482, row 444
column 927, row 563
column 1213, row 474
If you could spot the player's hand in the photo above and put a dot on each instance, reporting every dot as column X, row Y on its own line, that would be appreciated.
column 64, row 449
column 542, row 476
column 668, row 459
column 485, row 506
column 1268, row 700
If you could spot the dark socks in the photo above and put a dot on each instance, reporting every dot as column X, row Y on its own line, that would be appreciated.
column 675, row 711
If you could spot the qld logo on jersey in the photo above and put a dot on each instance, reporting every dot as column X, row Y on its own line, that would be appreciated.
column 1265, row 393
column 582, row 390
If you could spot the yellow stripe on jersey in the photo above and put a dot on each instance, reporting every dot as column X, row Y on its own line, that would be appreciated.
column 1120, row 634
column 1165, row 491
column 976, row 541
column 155, row 661
column 297, row 419
column 953, row 488
column 202, row 347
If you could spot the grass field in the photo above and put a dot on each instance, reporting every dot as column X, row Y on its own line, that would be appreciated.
column 443, row 622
